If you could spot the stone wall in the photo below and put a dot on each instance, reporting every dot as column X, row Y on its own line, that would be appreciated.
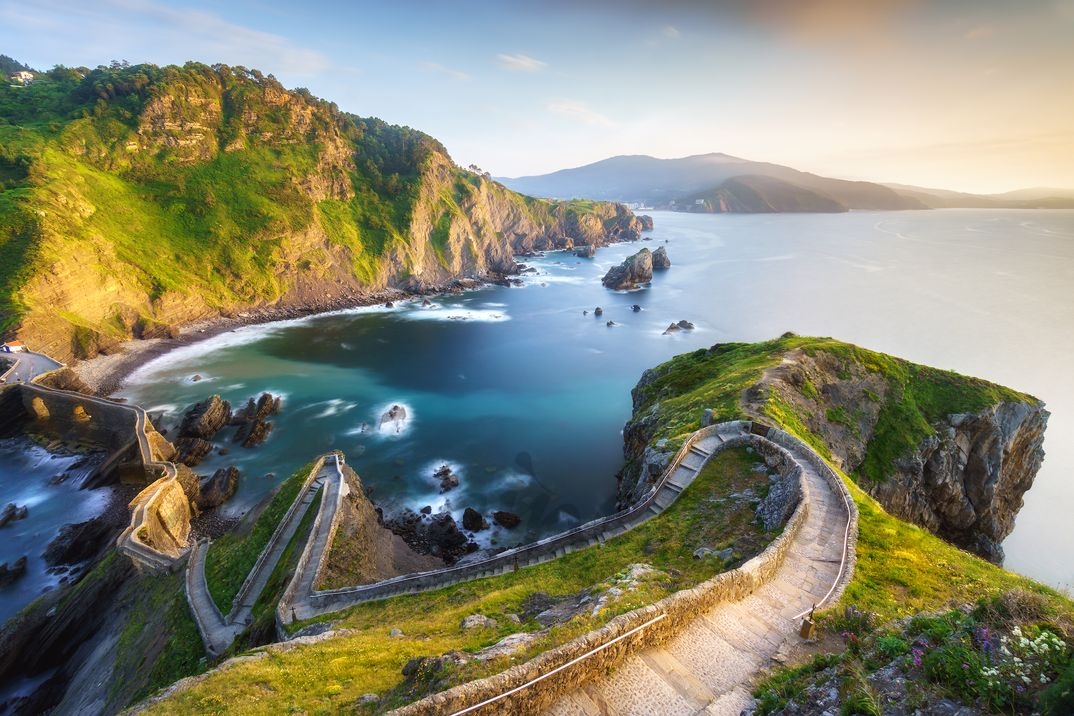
column 535, row 553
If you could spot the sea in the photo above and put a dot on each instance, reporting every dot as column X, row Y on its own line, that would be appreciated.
column 523, row 392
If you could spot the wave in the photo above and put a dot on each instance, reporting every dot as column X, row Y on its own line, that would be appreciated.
column 457, row 313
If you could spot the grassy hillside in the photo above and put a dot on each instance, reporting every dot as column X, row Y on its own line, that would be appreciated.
column 670, row 398
column 332, row 675
column 136, row 198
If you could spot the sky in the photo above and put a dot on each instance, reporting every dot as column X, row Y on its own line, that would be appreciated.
column 973, row 95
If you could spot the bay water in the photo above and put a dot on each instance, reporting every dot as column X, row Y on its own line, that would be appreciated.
column 523, row 392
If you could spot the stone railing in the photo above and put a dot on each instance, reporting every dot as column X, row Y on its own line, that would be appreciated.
column 323, row 602
column 535, row 685
column 274, row 540
column 130, row 541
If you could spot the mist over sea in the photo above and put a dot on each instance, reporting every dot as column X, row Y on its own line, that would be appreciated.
column 525, row 397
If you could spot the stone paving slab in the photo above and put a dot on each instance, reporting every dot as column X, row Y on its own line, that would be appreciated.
column 724, row 650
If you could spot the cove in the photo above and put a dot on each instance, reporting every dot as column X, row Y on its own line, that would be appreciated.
column 524, row 395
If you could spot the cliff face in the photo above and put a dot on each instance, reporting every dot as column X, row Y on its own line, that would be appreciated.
column 950, row 453
column 962, row 477
column 966, row 482
column 167, row 195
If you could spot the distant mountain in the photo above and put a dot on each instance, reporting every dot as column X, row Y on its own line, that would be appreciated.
column 681, row 183
column 761, row 194
column 1035, row 198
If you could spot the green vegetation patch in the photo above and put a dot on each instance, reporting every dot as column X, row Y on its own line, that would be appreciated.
column 942, row 616
column 717, row 377
column 331, row 675
column 231, row 557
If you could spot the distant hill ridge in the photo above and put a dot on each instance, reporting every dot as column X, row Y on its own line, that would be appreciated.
column 718, row 182
column 700, row 183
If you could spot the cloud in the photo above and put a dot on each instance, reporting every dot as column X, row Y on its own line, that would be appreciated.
column 670, row 32
column 437, row 68
column 140, row 30
column 520, row 63
column 578, row 112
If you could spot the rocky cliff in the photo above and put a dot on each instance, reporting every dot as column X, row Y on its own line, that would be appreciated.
column 136, row 199
column 950, row 453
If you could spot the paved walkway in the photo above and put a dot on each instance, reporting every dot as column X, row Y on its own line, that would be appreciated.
column 219, row 631
column 308, row 603
column 709, row 668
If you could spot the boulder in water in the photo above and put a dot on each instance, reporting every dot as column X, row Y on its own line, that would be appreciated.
column 9, row 573
column 634, row 271
column 473, row 520
column 506, row 519
column 13, row 512
column 447, row 478
column 218, row 488
column 395, row 416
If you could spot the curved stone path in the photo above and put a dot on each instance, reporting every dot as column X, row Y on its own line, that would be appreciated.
column 709, row 667
column 217, row 630
column 29, row 367
column 302, row 601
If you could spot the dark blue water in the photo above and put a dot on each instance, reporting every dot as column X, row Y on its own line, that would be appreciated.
column 525, row 396
column 25, row 474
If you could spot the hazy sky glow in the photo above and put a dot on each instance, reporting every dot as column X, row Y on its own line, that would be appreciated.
column 976, row 95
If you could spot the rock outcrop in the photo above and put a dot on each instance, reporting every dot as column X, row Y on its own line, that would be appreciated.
column 437, row 535
column 634, row 271
column 363, row 549
column 81, row 541
column 661, row 260
column 957, row 460
column 218, row 488
column 10, row 573
column 965, row 483
column 13, row 512
column 205, row 419
column 252, row 420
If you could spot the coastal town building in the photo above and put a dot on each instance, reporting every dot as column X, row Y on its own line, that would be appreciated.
column 22, row 77
column 13, row 347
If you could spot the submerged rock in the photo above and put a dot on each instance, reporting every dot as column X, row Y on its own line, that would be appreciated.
column 447, row 478
column 394, row 416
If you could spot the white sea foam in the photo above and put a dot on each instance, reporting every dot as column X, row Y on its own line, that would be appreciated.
column 335, row 406
column 394, row 428
column 244, row 335
column 458, row 313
